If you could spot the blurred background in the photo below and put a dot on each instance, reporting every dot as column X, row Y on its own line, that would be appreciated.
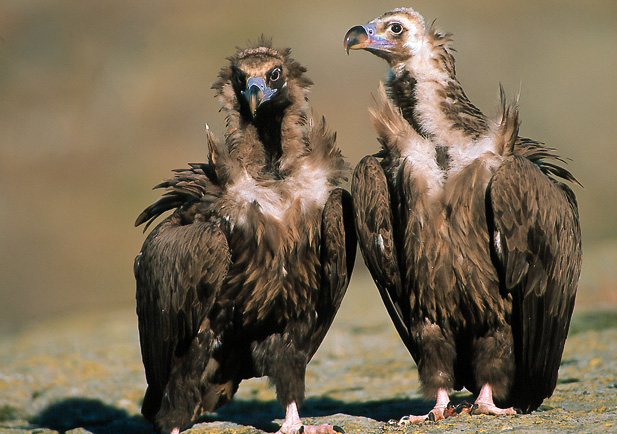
column 100, row 100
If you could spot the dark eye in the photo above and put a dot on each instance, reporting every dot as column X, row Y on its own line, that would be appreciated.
column 396, row 28
column 275, row 74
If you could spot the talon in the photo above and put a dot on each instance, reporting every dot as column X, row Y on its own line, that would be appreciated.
column 338, row 429
column 473, row 409
column 450, row 411
column 431, row 416
column 301, row 430
column 464, row 407
column 405, row 420
column 484, row 404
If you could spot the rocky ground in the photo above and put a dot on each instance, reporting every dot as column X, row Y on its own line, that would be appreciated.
column 84, row 375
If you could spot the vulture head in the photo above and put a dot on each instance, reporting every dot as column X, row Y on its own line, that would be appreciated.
column 261, row 81
column 395, row 36
column 265, row 95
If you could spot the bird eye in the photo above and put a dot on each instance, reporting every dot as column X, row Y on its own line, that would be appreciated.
column 275, row 74
column 396, row 28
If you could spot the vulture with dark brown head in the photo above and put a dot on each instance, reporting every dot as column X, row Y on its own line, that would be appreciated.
column 470, row 236
column 244, row 278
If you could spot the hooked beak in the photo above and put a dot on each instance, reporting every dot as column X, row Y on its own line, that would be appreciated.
column 366, row 37
column 256, row 93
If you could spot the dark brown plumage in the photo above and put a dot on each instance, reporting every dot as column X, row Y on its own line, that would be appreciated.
column 472, row 240
column 244, row 278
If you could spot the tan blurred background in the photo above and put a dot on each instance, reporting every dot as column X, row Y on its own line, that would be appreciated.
column 100, row 100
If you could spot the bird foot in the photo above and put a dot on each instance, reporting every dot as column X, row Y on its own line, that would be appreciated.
column 485, row 405
column 323, row 429
column 175, row 431
column 443, row 408
column 437, row 413
column 311, row 429
column 490, row 408
column 293, row 425
column 463, row 407
column 454, row 410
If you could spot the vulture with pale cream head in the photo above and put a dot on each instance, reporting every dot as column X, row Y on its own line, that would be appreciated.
column 471, row 236
column 244, row 278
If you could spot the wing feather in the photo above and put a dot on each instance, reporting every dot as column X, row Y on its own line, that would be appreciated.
column 179, row 273
column 537, row 243
column 378, row 241
column 338, row 253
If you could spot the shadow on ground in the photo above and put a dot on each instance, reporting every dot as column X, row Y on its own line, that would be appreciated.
column 260, row 414
column 100, row 418
column 92, row 415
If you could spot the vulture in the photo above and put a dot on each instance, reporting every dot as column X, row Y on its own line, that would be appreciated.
column 467, row 228
column 243, row 279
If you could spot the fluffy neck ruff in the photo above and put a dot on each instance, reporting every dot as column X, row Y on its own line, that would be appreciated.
column 266, row 145
column 425, row 88
column 281, row 163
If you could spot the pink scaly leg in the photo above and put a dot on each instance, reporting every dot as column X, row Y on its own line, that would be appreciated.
column 293, row 425
column 484, row 403
column 437, row 413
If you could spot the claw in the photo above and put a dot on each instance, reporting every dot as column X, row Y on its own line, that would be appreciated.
column 338, row 429
column 437, row 413
column 492, row 410
column 411, row 419
column 463, row 407
column 450, row 411
column 484, row 403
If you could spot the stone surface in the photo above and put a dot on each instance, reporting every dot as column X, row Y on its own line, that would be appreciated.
column 84, row 375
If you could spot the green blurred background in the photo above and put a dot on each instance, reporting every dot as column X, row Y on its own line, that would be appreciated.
column 100, row 100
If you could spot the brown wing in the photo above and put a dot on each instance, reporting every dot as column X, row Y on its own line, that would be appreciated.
column 179, row 274
column 338, row 254
column 378, row 240
column 536, row 242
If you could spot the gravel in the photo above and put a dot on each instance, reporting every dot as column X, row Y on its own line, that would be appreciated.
column 83, row 374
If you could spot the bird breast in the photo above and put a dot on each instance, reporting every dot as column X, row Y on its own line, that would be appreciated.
column 423, row 156
column 305, row 190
